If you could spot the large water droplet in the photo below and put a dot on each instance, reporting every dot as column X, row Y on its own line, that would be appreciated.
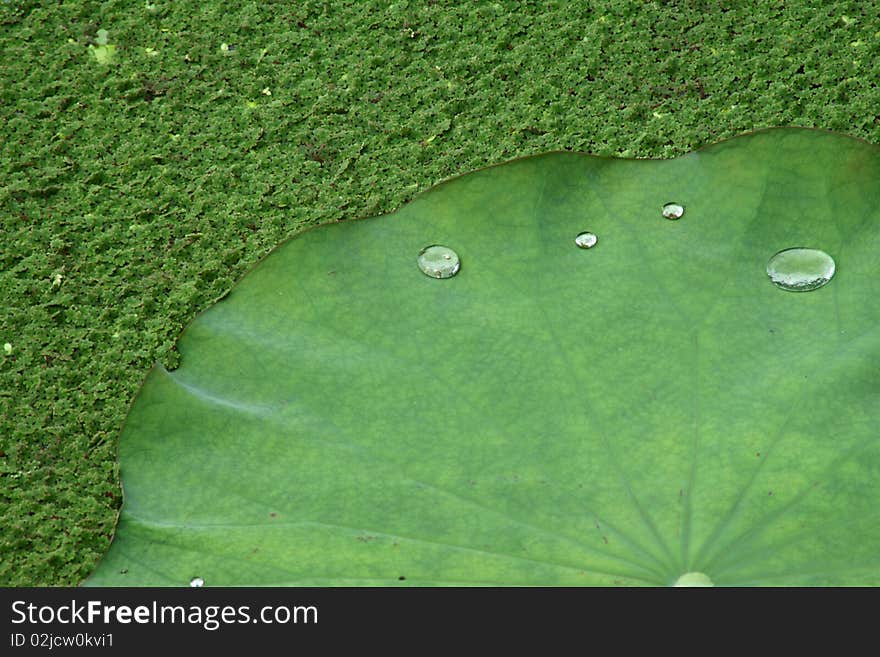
column 694, row 579
column 800, row 269
column 197, row 581
column 673, row 210
column 586, row 240
column 439, row 261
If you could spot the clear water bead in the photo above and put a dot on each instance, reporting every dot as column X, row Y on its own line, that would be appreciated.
column 800, row 269
column 694, row 579
column 586, row 240
column 673, row 210
column 439, row 261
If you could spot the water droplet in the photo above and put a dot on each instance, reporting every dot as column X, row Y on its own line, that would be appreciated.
column 673, row 210
column 586, row 240
column 197, row 581
column 694, row 579
column 439, row 261
column 800, row 269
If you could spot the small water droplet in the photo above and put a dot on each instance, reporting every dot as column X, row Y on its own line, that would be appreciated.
column 197, row 581
column 439, row 261
column 586, row 240
column 694, row 579
column 673, row 210
column 800, row 269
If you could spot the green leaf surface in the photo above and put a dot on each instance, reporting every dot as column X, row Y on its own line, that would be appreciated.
column 650, row 409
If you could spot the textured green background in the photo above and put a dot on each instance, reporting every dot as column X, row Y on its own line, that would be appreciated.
column 133, row 194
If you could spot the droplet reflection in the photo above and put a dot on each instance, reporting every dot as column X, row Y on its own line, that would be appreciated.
column 694, row 579
column 439, row 261
column 673, row 210
column 586, row 240
column 800, row 269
